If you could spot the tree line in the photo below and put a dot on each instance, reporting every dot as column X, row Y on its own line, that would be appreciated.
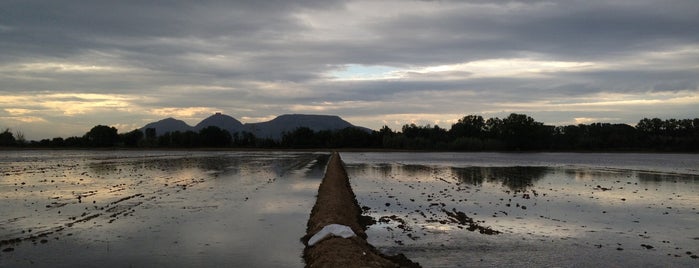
column 516, row 132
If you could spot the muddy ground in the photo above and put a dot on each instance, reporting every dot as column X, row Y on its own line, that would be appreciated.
column 336, row 204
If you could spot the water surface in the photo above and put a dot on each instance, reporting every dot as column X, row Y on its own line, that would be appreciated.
column 144, row 209
column 531, row 209
column 249, row 209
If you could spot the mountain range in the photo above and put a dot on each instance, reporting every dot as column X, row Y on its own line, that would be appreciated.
column 270, row 129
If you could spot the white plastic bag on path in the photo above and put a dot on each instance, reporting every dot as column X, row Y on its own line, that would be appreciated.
column 340, row 230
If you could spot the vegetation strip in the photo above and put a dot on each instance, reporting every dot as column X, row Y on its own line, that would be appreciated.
column 516, row 132
column 336, row 204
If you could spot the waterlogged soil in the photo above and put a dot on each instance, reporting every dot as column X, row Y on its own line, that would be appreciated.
column 165, row 209
column 249, row 209
column 514, row 210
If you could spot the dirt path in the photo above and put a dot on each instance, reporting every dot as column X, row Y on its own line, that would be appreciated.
column 336, row 204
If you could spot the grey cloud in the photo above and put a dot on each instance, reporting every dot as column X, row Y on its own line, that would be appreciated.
column 60, row 29
column 674, row 86
column 564, row 30
column 638, row 81
column 259, row 56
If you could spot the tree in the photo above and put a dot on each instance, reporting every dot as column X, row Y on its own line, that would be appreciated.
column 469, row 126
column 494, row 128
column 102, row 136
column 424, row 137
column 411, row 131
column 132, row 138
column 19, row 138
column 166, row 140
column 351, row 137
column 244, row 139
column 184, row 139
column 75, row 142
column 302, row 137
column 151, row 137
column 380, row 138
column 523, row 132
column 7, row 139
column 214, row 136
column 568, row 137
column 57, row 142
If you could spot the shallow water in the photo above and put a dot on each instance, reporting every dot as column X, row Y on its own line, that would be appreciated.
column 144, row 209
column 541, row 209
column 249, row 209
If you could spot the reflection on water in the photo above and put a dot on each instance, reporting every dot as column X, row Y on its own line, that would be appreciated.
column 120, row 209
column 515, row 178
column 317, row 168
column 665, row 177
column 248, row 209
column 548, row 214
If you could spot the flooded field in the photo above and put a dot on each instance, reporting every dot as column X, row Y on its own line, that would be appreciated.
column 541, row 210
column 164, row 209
column 249, row 209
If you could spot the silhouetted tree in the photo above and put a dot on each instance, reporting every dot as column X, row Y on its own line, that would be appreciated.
column 213, row 136
column 422, row 137
column 670, row 134
column 520, row 131
column 57, row 142
column 166, row 140
column 132, row 139
column 151, row 138
column 185, row 139
column 43, row 143
column 469, row 126
column 19, row 138
column 351, row 137
column 471, row 133
column 301, row 137
column 381, row 138
column 75, row 142
column 494, row 128
column 266, row 143
column 101, row 136
column 650, row 126
column 7, row 138
column 244, row 139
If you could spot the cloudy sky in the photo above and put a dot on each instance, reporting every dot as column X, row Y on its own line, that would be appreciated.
column 66, row 66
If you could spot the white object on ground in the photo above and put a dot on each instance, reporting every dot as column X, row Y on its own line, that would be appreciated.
column 340, row 230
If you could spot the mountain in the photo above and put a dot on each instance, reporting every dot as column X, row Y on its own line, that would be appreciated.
column 289, row 122
column 167, row 125
column 271, row 129
column 221, row 121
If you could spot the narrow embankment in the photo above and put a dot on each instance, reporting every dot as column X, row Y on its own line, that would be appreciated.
column 336, row 204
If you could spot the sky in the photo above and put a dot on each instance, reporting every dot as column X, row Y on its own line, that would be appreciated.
column 66, row 66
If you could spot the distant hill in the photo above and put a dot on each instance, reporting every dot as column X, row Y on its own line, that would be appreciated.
column 289, row 122
column 271, row 129
column 168, row 125
column 221, row 121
